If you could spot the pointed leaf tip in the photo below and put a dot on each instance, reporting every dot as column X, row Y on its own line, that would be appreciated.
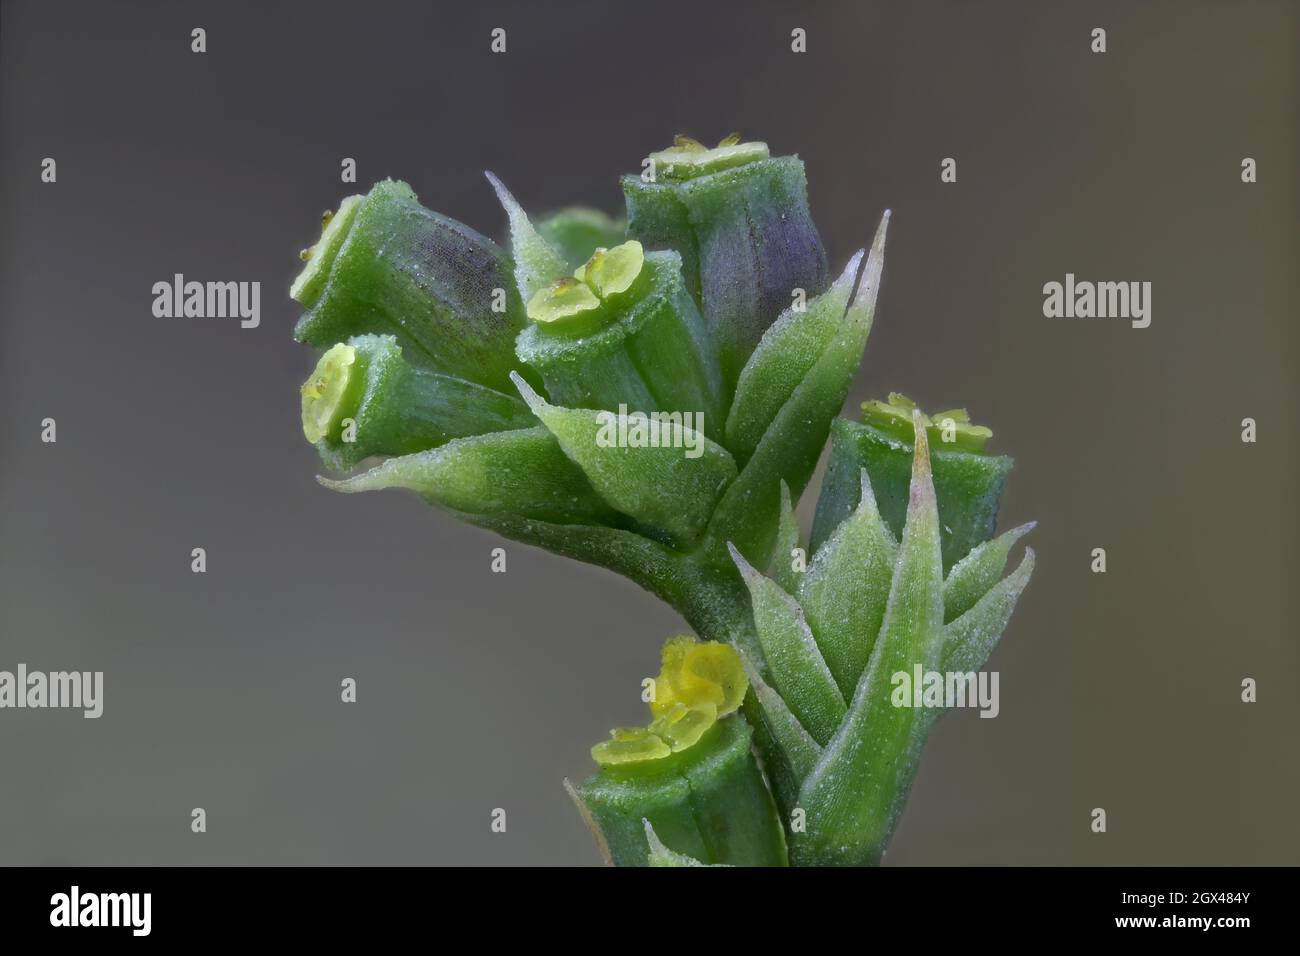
column 527, row 393
column 869, row 282
column 537, row 264
column 920, row 456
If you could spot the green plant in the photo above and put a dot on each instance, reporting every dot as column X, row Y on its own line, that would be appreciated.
column 655, row 403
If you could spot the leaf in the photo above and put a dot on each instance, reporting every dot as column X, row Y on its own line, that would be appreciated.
column 748, row 513
column 846, row 588
column 662, row 487
column 797, row 747
column 854, row 794
column 789, row 348
column 798, row 671
column 537, row 263
column 521, row 472
column 974, row 574
column 969, row 640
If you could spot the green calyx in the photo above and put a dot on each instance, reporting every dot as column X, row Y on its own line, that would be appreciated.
column 946, row 430
column 698, row 684
column 687, row 158
column 330, row 394
column 306, row 289
column 575, row 303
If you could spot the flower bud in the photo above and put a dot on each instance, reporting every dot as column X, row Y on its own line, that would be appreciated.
column 740, row 221
column 386, row 264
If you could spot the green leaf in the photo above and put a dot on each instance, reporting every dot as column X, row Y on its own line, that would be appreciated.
column 798, row 671
column 795, row 746
column 787, row 540
column 521, row 472
column 748, row 513
column 974, row 574
column 789, row 348
column 969, row 640
column 846, row 588
column 537, row 263
column 662, row 487
column 855, row 793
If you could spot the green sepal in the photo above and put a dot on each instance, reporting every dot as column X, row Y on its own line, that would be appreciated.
column 855, row 793
column 972, row 576
column 522, row 473
column 391, row 266
column 661, row 488
column 576, row 232
column 400, row 408
column 746, row 238
column 708, row 802
column 846, row 587
column 968, row 484
column 799, row 674
column 536, row 262
column 646, row 348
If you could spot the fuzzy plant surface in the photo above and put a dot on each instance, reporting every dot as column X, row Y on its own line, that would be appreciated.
column 652, row 395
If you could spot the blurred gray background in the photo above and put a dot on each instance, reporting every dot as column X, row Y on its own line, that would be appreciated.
column 480, row 690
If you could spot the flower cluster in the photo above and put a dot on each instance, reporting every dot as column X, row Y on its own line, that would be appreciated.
column 486, row 379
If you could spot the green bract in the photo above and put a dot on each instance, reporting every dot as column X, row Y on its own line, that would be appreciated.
column 655, row 402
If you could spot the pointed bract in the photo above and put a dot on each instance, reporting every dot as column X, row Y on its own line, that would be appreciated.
column 789, row 348
column 797, row 669
column 537, row 262
column 969, row 640
column 845, row 589
column 521, row 472
column 662, row 487
column 973, row 575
